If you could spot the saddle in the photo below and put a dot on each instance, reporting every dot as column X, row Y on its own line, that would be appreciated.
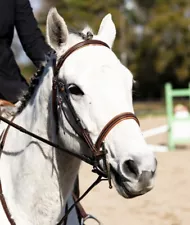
column 6, row 108
column 5, row 103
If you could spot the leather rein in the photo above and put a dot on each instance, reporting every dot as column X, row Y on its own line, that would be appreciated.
column 60, row 94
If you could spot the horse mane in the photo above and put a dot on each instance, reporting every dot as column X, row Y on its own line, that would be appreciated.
column 34, row 81
column 85, row 34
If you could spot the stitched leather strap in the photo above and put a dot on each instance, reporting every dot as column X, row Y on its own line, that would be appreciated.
column 3, row 202
column 74, row 48
column 2, row 198
column 4, row 135
column 111, row 124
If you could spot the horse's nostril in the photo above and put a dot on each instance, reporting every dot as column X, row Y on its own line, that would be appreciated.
column 130, row 168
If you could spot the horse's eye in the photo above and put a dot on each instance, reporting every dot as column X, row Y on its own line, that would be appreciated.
column 75, row 90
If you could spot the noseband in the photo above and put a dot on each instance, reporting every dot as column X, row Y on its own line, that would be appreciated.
column 60, row 94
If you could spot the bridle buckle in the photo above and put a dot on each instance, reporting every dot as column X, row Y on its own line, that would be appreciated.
column 89, row 216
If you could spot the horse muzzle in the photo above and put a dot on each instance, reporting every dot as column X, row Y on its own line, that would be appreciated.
column 130, row 188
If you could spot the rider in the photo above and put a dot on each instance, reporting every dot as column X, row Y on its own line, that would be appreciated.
column 18, row 14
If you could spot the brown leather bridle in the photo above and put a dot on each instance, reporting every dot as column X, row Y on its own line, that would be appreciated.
column 61, row 94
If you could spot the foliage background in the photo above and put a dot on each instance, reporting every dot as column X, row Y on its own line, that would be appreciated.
column 153, row 35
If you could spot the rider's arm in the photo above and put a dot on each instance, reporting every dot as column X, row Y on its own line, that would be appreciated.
column 30, row 35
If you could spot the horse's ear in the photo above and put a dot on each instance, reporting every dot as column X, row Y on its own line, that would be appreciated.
column 56, row 29
column 107, row 30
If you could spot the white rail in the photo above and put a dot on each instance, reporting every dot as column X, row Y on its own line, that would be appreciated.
column 153, row 132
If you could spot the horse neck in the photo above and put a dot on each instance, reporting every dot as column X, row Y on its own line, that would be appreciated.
column 36, row 180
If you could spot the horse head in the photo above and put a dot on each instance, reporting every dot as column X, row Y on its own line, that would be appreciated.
column 99, row 88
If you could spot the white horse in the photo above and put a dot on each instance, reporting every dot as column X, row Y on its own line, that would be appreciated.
column 37, row 179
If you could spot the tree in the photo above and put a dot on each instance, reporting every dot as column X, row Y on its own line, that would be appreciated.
column 163, row 53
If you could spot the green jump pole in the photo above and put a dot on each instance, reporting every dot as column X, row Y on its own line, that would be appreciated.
column 169, row 112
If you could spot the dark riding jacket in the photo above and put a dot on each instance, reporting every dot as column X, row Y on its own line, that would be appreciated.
column 18, row 14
